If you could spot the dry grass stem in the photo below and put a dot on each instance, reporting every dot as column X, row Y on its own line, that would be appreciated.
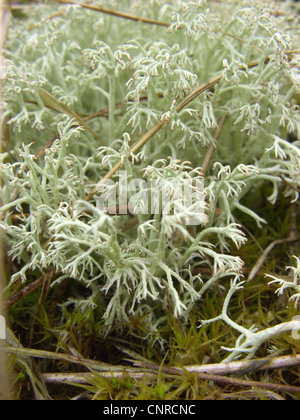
column 115, row 13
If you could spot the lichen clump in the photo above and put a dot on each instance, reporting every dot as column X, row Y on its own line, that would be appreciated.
column 214, row 94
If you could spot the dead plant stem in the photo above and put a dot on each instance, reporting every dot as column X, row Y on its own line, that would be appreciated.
column 21, row 294
column 212, row 147
column 115, row 13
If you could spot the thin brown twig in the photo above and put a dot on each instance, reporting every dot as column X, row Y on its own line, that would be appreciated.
column 203, row 372
column 69, row 358
column 223, row 368
column 228, row 380
column 25, row 291
column 247, row 383
column 242, row 40
column 54, row 15
column 246, row 366
column 58, row 106
column 105, row 112
column 212, row 147
column 46, row 147
column 84, row 378
column 115, row 13
column 44, row 291
column 102, row 113
column 289, row 184
column 259, row 263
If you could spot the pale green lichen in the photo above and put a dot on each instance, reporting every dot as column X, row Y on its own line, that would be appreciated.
column 138, row 74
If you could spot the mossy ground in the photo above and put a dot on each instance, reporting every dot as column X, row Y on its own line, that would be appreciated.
column 46, row 327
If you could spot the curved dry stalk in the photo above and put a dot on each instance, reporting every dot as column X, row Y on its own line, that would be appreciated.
column 205, row 372
column 84, row 378
column 58, row 106
column 212, row 147
column 259, row 263
column 246, row 366
column 69, row 358
column 247, row 383
column 289, row 184
column 54, row 15
column 21, row 294
column 115, row 13
column 242, row 40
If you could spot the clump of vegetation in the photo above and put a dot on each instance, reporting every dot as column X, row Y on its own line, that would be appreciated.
column 180, row 91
